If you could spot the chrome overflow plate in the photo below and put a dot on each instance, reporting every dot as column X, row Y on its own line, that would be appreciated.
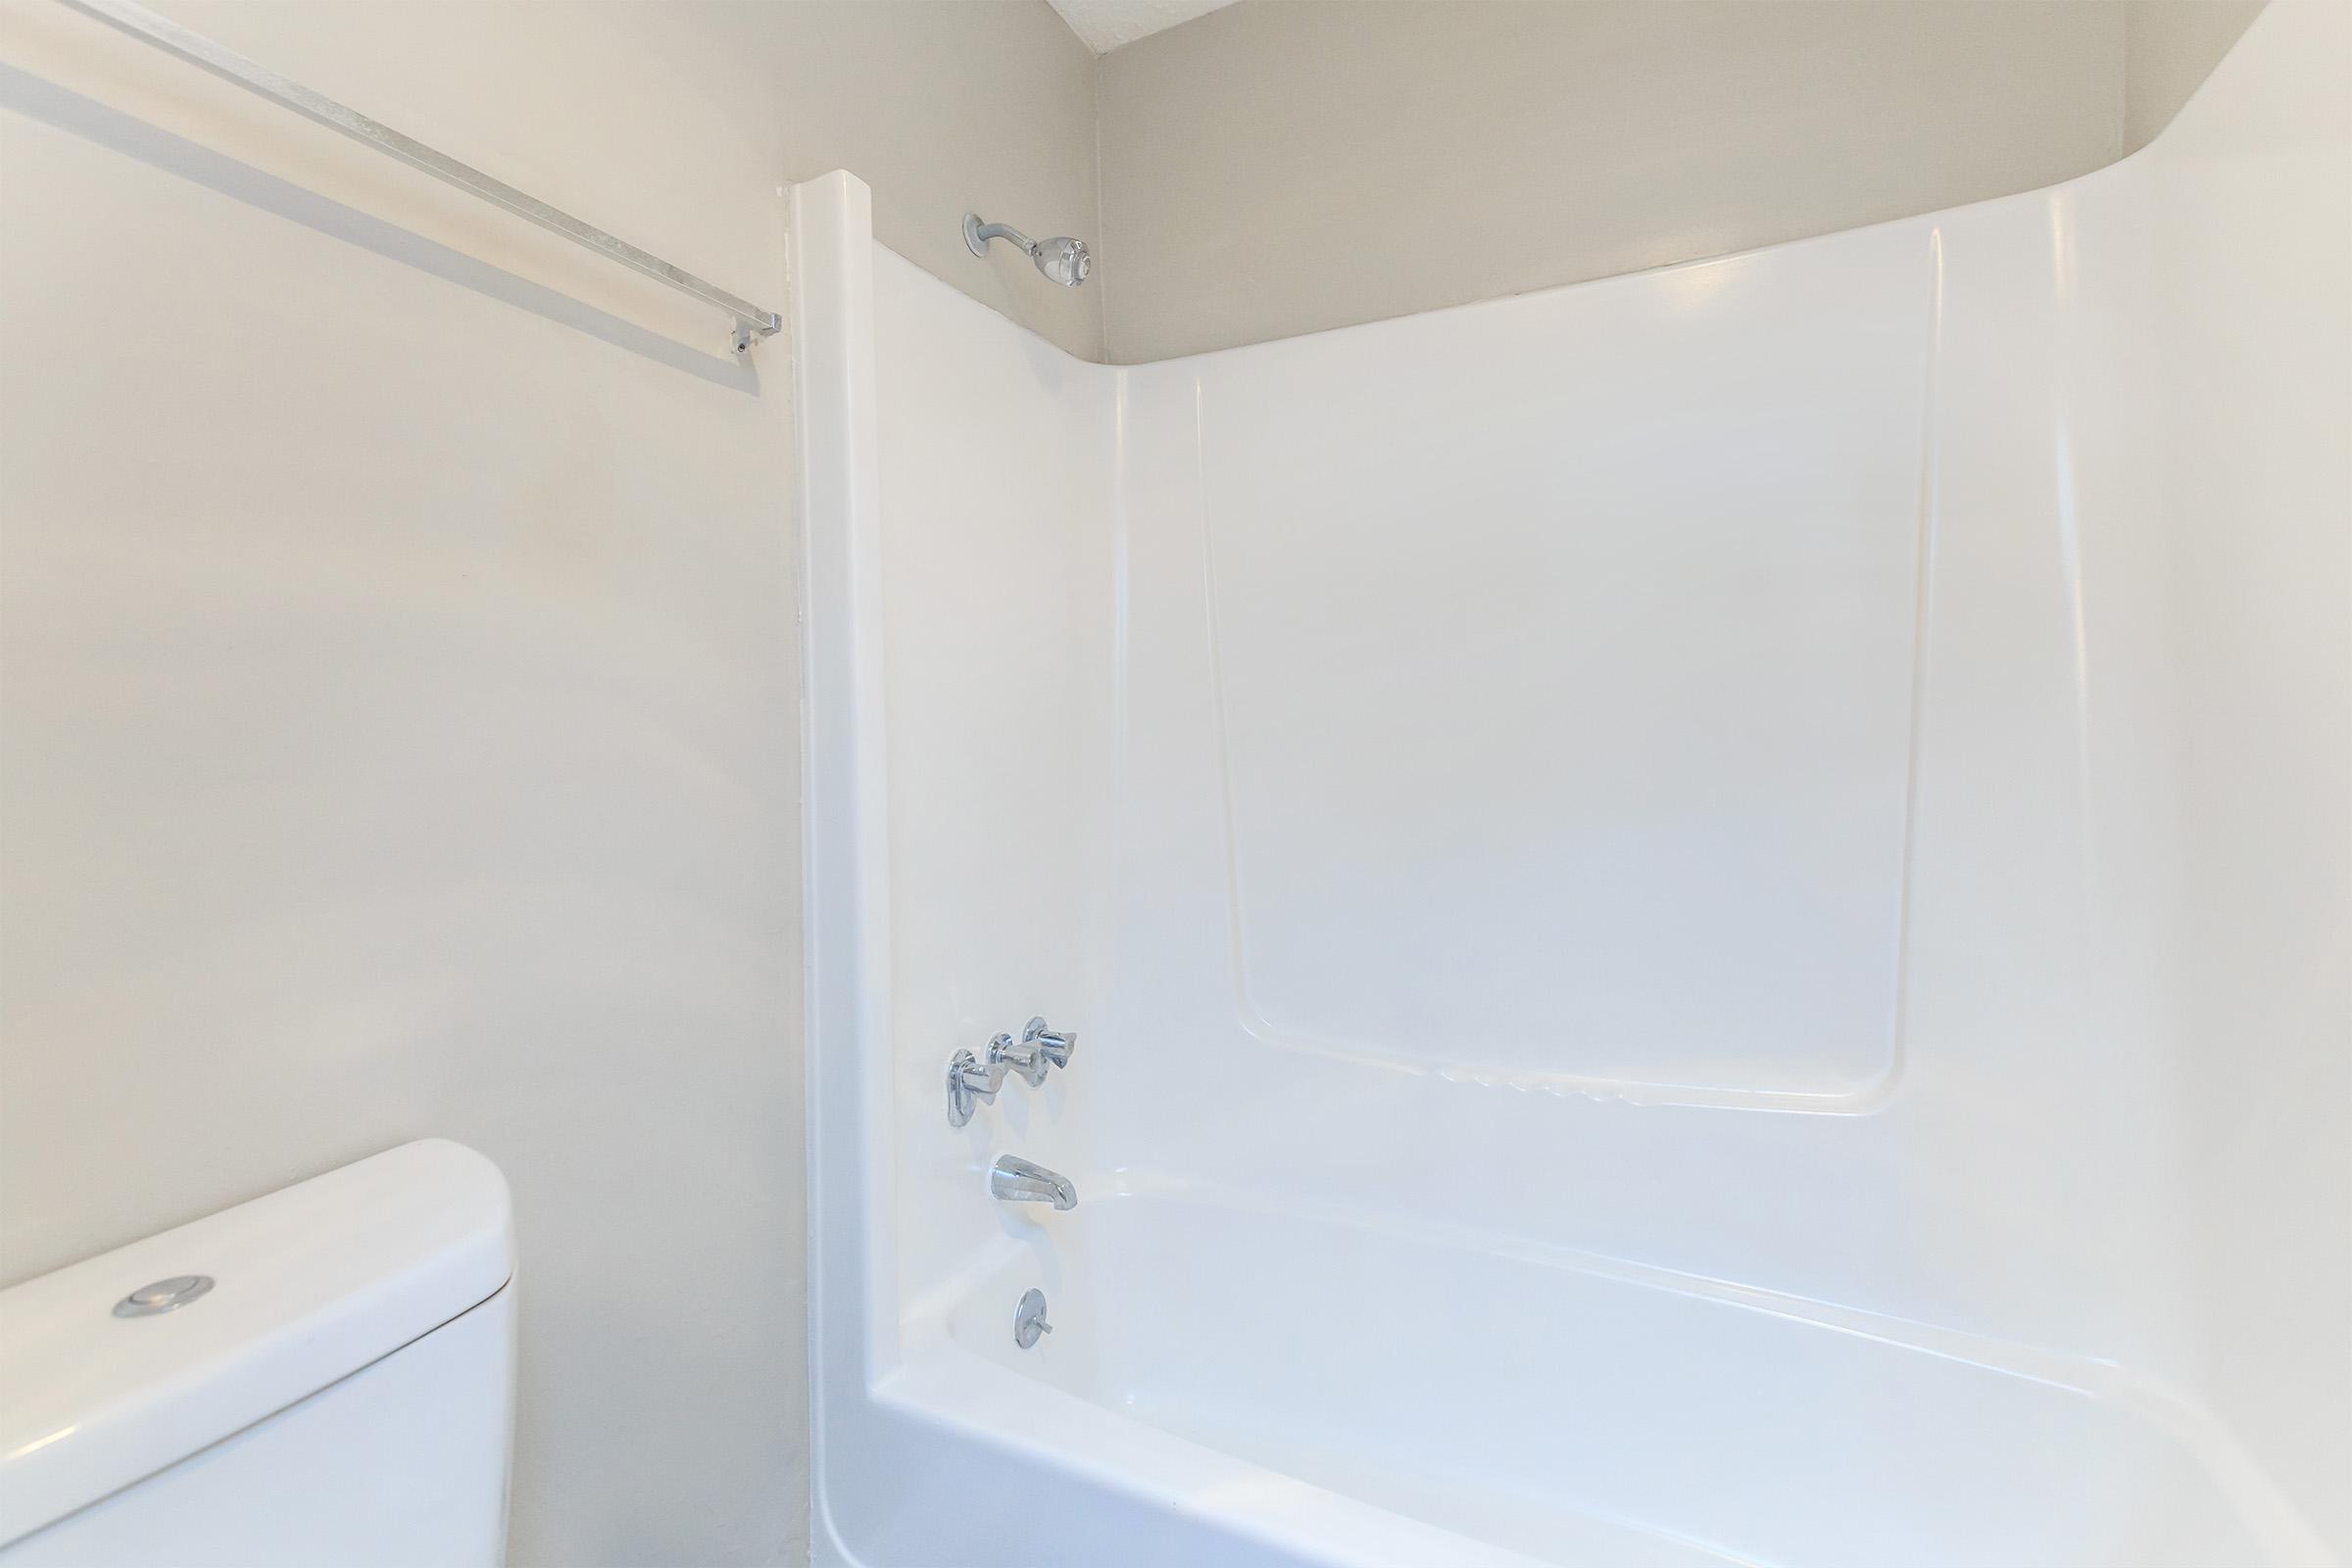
column 163, row 1296
column 1029, row 1319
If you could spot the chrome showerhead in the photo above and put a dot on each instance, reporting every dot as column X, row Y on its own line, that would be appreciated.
column 1065, row 261
column 1062, row 259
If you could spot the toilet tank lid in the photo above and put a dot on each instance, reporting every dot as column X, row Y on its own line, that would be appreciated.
column 310, row 1283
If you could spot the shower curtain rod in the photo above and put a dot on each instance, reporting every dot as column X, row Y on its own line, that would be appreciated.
column 750, row 321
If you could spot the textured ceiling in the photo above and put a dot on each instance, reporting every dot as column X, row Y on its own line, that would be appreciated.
column 1105, row 24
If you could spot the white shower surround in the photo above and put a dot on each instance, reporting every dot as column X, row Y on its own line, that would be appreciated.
column 1707, row 911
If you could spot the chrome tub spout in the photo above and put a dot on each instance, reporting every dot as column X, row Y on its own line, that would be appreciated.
column 1018, row 1181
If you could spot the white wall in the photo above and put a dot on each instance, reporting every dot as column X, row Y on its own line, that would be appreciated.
column 398, row 676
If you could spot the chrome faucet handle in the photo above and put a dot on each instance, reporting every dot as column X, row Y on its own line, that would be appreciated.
column 1023, row 1056
column 1054, row 1047
column 970, row 1084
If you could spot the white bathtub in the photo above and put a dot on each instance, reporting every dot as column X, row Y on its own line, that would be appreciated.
column 1568, row 1410
column 1705, row 912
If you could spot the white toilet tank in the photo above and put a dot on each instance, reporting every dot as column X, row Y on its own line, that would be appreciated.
column 342, row 1392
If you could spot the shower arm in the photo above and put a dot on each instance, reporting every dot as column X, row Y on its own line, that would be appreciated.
column 1064, row 259
column 977, row 235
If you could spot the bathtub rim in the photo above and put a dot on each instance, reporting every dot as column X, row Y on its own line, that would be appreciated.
column 927, row 1337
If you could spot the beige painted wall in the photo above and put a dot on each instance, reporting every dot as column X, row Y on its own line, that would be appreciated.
column 2170, row 48
column 397, row 664
column 644, row 117
column 1287, row 165
column 942, row 107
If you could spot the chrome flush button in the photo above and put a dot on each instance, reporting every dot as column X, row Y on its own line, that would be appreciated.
column 163, row 1296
